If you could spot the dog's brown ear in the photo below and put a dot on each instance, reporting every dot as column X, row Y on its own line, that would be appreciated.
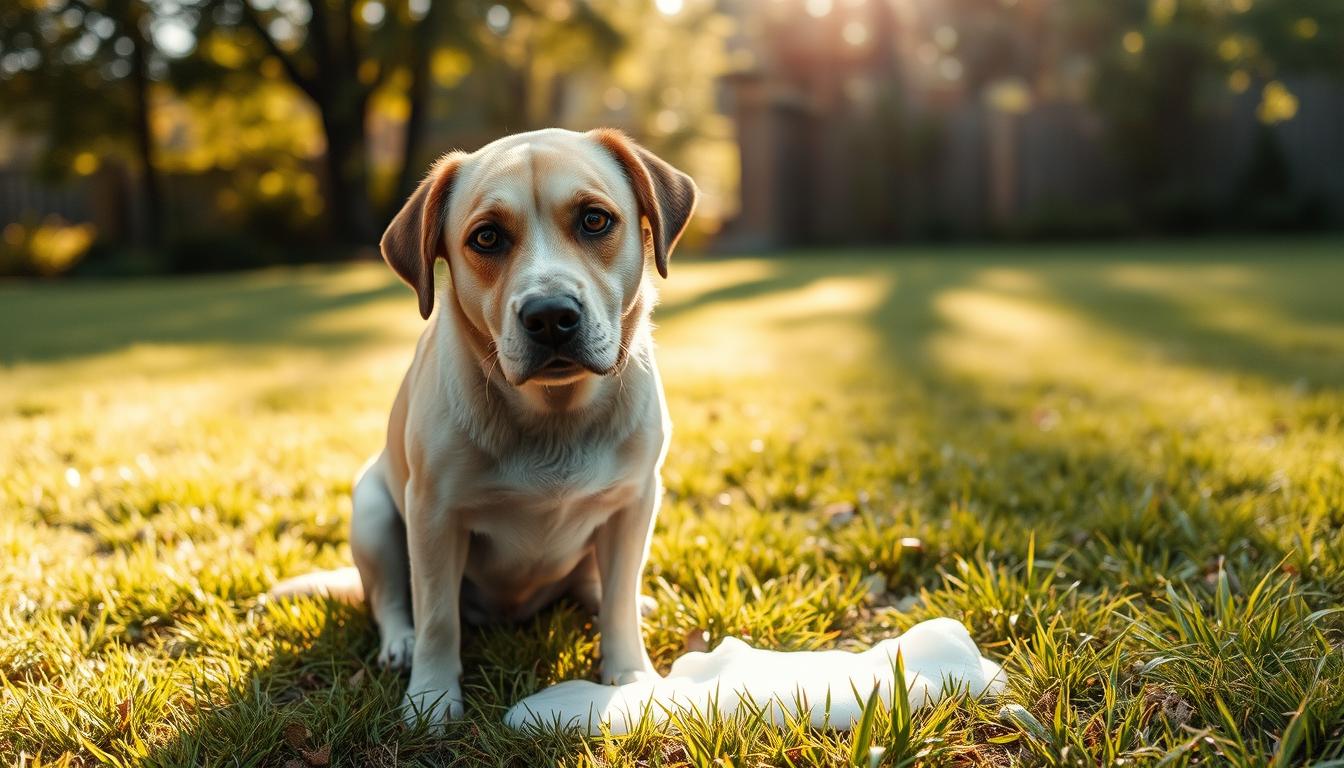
column 414, row 239
column 666, row 196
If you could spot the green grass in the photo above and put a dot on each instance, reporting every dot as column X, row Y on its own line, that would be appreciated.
column 1121, row 467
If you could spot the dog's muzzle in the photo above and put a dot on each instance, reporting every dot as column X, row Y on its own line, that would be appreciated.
column 554, row 326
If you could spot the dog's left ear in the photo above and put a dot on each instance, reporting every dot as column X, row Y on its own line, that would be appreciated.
column 666, row 196
column 414, row 239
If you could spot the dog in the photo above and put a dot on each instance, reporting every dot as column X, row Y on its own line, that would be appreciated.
column 526, row 440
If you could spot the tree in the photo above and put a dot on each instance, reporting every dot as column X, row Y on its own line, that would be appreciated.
column 1162, row 65
column 59, row 60
column 337, row 54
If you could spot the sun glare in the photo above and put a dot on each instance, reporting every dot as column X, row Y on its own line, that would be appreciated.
column 669, row 7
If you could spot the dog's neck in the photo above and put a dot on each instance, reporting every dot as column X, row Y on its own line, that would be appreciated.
column 500, row 415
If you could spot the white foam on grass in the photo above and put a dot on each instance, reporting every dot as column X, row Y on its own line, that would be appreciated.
column 939, row 656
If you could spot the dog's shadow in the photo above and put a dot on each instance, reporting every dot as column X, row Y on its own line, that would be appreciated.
column 319, row 698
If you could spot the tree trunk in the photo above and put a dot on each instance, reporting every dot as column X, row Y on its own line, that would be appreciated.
column 414, row 133
column 151, row 200
column 347, row 175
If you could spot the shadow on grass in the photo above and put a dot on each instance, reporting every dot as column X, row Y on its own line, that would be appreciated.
column 321, row 698
column 1306, row 314
column 793, row 275
column 55, row 322
column 984, row 451
column 1052, row 485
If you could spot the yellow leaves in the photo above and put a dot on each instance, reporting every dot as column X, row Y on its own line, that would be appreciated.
column 1132, row 42
column 85, row 163
column 392, row 101
column 56, row 248
column 198, row 132
column 48, row 248
column 293, row 183
column 1306, row 28
column 1277, row 104
column 1239, row 81
column 276, row 105
column 394, row 106
column 448, row 66
column 271, row 183
column 1231, row 48
column 1162, row 11
column 225, row 52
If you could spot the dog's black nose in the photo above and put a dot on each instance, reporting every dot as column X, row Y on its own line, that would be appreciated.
column 552, row 320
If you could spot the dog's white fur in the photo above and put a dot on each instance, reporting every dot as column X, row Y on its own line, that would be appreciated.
column 504, row 484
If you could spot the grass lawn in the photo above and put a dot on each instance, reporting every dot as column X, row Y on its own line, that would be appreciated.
column 1121, row 466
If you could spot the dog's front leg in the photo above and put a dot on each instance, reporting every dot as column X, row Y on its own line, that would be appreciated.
column 622, row 548
column 438, row 555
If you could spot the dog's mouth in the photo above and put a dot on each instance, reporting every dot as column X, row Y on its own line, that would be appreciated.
column 560, row 370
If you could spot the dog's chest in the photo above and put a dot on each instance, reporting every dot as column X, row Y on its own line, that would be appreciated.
column 539, row 508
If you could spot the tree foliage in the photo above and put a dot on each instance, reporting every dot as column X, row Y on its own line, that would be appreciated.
column 1162, row 68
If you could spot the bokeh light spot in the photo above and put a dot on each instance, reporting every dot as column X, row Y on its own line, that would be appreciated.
column 373, row 13
column 1011, row 96
column 818, row 8
column 85, row 163
column 449, row 66
column 855, row 33
column 614, row 99
column 271, row 183
column 669, row 7
column 667, row 121
column 1162, row 11
column 1277, row 104
column 945, row 37
column 498, row 18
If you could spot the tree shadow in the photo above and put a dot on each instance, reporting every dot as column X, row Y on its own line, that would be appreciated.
column 319, row 698
column 985, row 449
column 1307, row 313
column 995, row 448
column 58, row 322
column 796, row 273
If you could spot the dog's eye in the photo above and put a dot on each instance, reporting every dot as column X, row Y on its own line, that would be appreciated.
column 486, row 239
column 595, row 221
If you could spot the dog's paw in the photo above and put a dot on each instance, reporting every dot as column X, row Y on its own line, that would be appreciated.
column 432, row 706
column 395, row 649
column 615, row 675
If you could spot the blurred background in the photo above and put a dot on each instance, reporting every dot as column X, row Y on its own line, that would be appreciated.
column 202, row 135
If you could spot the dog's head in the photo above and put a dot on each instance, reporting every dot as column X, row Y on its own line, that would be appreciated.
column 547, row 236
